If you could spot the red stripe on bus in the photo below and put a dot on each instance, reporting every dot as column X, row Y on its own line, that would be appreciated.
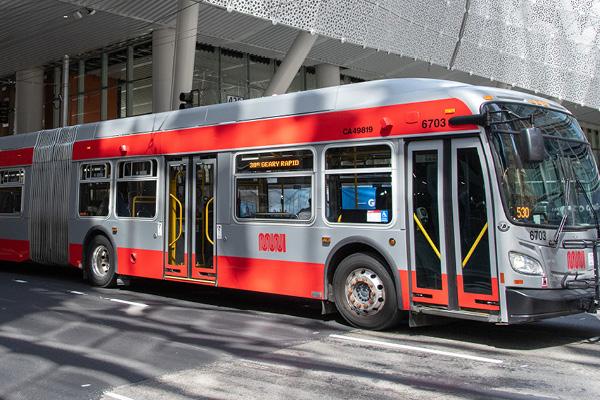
column 290, row 278
column 405, row 289
column 14, row 250
column 140, row 263
column 75, row 254
column 430, row 296
column 14, row 158
column 326, row 126
column 469, row 300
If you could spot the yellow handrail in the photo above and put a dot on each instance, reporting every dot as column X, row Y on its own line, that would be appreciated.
column 206, row 221
column 180, row 219
column 433, row 246
column 479, row 237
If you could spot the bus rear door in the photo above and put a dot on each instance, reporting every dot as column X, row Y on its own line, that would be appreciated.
column 190, row 199
column 452, row 257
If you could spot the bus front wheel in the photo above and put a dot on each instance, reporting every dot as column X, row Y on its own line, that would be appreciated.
column 100, row 262
column 364, row 292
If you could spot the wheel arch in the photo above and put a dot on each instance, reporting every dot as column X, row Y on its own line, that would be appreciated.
column 360, row 244
column 91, row 233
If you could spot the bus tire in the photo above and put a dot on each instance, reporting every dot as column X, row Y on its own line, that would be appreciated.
column 364, row 293
column 100, row 262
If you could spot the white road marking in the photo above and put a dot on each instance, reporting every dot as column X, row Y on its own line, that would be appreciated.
column 19, row 281
column 117, row 396
column 86, row 385
column 419, row 349
column 76, row 292
column 131, row 303
column 524, row 392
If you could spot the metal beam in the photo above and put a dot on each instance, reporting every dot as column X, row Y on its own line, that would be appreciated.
column 81, row 92
column 56, row 98
column 292, row 62
column 104, row 89
column 129, row 72
column 65, row 93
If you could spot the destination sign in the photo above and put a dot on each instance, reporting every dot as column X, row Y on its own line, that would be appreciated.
column 287, row 163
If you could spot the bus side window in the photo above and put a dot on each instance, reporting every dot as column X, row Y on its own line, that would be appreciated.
column 136, row 189
column 358, row 184
column 11, row 191
column 266, row 188
column 94, row 189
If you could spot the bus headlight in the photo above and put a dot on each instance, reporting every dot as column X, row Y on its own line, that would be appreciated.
column 524, row 264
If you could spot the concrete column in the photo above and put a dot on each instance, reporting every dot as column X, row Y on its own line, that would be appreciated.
column 327, row 75
column 29, row 100
column 163, row 53
column 185, row 48
column 292, row 62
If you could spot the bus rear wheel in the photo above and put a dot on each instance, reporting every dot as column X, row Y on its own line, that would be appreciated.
column 364, row 293
column 100, row 262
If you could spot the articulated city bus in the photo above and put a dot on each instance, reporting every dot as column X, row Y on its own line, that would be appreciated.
column 407, row 196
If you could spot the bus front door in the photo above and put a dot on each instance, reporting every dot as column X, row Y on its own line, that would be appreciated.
column 190, row 208
column 451, row 256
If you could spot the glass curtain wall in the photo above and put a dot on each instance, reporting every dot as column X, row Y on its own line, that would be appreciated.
column 234, row 76
column 92, row 94
column 206, row 74
column 220, row 75
column 142, row 79
column 260, row 72
column 7, row 106
column 117, row 84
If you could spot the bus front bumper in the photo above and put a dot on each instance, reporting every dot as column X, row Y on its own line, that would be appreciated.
column 525, row 305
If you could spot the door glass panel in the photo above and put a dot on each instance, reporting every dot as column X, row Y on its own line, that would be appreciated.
column 428, row 264
column 204, row 215
column 176, row 217
column 473, row 226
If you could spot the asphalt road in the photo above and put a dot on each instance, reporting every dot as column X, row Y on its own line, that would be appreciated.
column 62, row 339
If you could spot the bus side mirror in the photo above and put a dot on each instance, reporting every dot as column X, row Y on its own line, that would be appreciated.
column 532, row 145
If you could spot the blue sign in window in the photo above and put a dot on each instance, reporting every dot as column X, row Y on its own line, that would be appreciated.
column 358, row 198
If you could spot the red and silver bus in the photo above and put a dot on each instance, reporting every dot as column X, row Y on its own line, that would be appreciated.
column 407, row 196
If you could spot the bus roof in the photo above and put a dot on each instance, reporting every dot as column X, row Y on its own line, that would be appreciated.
column 346, row 97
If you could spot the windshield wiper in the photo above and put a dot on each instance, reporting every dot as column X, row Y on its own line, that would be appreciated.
column 563, row 221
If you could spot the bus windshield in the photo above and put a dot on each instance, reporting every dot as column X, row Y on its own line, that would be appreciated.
column 562, row 189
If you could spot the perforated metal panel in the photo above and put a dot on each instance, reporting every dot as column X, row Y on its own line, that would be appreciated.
column 546, row 46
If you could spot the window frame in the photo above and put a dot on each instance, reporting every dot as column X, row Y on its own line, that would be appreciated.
column 280, row 174
column 19, row 185
column 155, row 178
column 110, row 181
column 392, row 170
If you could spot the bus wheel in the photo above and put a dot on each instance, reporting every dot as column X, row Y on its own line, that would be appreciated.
column 364, row 293
column 101, row 262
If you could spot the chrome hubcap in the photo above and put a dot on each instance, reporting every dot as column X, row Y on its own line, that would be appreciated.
column 100, row 261
column 364, row 292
